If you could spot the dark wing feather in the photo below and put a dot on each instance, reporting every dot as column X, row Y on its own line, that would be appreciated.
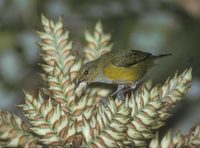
column 128, row 58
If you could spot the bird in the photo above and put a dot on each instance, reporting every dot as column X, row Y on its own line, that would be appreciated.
column 122, row 67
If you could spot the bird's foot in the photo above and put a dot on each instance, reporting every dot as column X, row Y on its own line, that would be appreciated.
column 104, row 101
column 134, row 86
column 120, row 96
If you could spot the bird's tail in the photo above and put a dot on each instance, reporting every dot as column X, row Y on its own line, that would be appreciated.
column 161, row 56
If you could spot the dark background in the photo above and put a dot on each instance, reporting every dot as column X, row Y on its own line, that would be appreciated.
column 164, row 26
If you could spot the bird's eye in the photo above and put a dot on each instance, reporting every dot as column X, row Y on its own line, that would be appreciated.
column 86, row 72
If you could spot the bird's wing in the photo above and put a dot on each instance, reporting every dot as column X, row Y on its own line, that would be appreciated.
column 129, row 58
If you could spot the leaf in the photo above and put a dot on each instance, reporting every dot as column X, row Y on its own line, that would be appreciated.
column 47, row 120
column 56, row 46
column 106, row 128
column 60, row 65
column 56, row 49
column 178, row 141
column 98, row 43
column 14, row 133
column 151, row 107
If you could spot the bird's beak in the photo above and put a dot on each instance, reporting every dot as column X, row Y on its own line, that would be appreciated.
column 77, row 82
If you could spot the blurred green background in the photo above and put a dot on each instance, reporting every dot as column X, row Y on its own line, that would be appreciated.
column 165, row 26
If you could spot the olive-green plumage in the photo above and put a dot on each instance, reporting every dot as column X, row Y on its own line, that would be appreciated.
column 118, row 67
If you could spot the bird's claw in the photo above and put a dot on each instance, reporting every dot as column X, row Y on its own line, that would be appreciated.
column 104, row 101
column 120, row 96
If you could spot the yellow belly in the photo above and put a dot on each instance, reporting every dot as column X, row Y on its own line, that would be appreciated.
column 123, row 74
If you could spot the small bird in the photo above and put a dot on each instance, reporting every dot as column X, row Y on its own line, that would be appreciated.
column 123, row 68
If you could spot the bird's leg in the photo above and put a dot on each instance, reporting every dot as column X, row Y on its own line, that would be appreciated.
column 119, row 88
column 104, row 101
column 131, row 87
column 134, row 85
column 119, row 92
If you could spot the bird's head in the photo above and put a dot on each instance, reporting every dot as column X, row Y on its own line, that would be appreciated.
column 87, row 73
